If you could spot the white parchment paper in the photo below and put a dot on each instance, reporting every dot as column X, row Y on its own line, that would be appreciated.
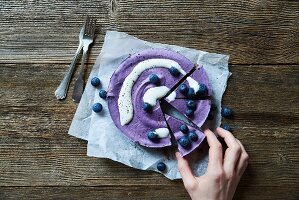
column 106, row 141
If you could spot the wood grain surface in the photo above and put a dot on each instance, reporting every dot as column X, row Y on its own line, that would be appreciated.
column 39, row 160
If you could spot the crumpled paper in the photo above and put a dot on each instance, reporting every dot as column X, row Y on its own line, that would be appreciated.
column 106, row 141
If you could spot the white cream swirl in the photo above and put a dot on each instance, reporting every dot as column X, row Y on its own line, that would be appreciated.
column 125, row 104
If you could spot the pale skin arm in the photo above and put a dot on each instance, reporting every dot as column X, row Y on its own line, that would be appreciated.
column 223, row 173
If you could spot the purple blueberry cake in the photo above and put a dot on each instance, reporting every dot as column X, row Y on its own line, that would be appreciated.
column 136, row 87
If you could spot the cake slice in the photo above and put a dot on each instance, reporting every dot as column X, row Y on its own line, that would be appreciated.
column 187, row 137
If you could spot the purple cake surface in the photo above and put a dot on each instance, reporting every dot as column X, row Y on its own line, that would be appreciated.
column 174, row 125
column 143, row 122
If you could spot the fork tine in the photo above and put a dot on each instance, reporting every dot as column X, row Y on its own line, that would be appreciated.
column 90, row 27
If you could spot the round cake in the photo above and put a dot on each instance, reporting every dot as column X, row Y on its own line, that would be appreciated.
column 136, row 87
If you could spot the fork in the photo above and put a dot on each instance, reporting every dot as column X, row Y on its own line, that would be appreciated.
column 61, row 90
column 88, row 37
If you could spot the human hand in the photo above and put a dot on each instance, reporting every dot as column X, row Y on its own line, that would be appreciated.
column 223, row 174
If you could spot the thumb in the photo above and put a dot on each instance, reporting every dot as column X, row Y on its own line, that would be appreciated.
column 185, row 170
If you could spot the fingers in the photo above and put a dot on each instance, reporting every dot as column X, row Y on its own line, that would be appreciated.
column 243, row 161
column 232, row 153
column 215, row 151
column 185, row 171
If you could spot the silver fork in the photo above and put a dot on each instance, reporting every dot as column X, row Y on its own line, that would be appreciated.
column 88, row 37
column 61, row 90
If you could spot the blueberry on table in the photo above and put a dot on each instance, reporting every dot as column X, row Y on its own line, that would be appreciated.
column 191, row 104
column 193, row 136
column 95, row 81
column 152, row 136
column 154, row 79
column 202, row 90
column 184, row 128
column 227, row 112
column 103, row 94
column 174, row 71
column 183, row 89
column 227, row 127
column 189, row 113
column 97, row 107
column 147, row 107
column 161, row 166
column 191, row 93
column 184, row 142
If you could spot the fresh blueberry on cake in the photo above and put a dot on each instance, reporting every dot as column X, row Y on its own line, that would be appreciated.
column 184, row 89
column 184, row 128
column 154, row 79
column 193, row 136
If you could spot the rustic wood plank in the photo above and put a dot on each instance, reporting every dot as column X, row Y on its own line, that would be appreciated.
column 102, row 192
column 130, row 193
column 252, row 32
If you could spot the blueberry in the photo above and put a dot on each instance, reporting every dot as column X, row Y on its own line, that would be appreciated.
column 161, row 166
column 95, row 81
column 227, row 127
column 189, row 113
column 147, row 107
column 191, row 93
column 151, row 135
column 103, row 94
column 97, row 107
column 202, row 90
column 184, row 128
column 183, row 89
column 227, row 112
column 211, row 116
column 184, row 142
column 154, row 79
column 193, row 136
column 174, row 71
column 191, row 104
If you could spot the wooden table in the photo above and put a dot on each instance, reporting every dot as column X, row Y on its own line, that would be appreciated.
column 39, row 160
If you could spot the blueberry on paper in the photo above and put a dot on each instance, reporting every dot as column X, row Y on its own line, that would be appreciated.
column 147, row 107
column 103, row 94
column 202, row 90
column 191, row 93
column 189, row 113
column 95, row 81
column 161, row 166
column 97, row 107
column 193, row 136
column 191, row 104
column 227, row 112
column 227, row 127
column 183, row 89
column 154, row 79
column 184, row 142
column 174, row 71
column 184, row 128
column 152, row 136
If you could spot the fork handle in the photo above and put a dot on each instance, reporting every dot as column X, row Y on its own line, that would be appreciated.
column 61, row 90
column 79, row 84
